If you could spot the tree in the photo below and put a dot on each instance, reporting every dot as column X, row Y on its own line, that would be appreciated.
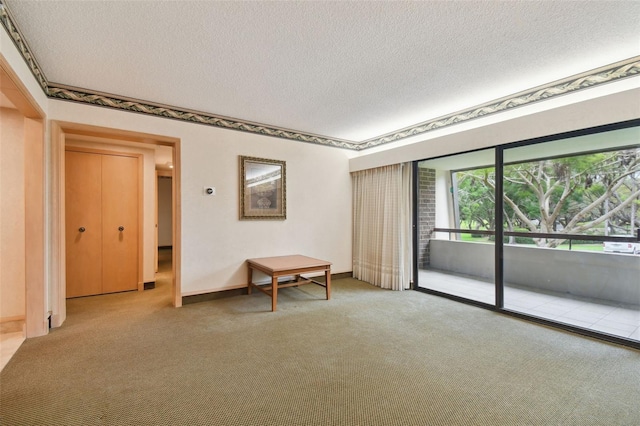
column 569, row 195
column 476, row 211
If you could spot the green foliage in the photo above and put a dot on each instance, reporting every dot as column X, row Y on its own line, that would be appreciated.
column 598, row 192
column 477, row 202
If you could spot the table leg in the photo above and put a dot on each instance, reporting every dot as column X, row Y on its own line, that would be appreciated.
column 327, row 275
column 249, row 278
column 274, row 293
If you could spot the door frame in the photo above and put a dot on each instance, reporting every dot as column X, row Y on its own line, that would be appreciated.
column 140, row 219
column 59, row 132
column 35, row 313
column 160, row 173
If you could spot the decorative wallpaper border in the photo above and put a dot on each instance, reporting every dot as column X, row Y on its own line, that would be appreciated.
column 9, row 24
column 613, row 72
column 617, row 71
column 112, row 101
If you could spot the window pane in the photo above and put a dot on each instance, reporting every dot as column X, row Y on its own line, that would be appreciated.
column 456, row 193
column 557, row 196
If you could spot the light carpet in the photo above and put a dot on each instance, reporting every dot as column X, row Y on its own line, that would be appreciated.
column 366, row 357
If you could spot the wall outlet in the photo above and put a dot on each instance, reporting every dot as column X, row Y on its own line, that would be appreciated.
column 209, row 190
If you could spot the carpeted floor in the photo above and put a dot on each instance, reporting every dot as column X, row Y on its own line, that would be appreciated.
column 366, row 357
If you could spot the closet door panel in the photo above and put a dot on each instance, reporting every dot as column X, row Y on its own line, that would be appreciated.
column 83, row 225
column 119, row 223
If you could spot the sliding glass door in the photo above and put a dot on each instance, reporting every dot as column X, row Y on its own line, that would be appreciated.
column 561, row 216
column 455, row 226
column 571, row 217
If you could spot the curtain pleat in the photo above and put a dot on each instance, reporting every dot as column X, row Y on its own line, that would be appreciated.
column 382, row 226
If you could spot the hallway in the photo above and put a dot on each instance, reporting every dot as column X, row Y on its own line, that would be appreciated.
column 79, row 309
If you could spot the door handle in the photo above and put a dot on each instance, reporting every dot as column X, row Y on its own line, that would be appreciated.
column 82, row 229
column 120, row 228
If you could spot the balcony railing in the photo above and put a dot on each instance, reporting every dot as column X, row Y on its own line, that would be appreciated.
column 554, row 236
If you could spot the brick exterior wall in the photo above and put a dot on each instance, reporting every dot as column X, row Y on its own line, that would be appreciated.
column 426, row 213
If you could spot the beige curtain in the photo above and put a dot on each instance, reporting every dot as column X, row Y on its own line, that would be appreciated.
column 382, row 226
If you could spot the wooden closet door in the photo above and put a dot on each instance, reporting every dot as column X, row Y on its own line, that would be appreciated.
column 83, row 222
column 119, row 223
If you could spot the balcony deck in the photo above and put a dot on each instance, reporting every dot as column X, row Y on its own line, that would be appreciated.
column 617, row 319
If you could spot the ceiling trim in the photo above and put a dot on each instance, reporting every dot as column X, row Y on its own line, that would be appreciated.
column 603, row 75
column 607, row 74
column 21, row 43
column 74, row 94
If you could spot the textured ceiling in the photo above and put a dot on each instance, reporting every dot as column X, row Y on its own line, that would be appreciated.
column 349, row 70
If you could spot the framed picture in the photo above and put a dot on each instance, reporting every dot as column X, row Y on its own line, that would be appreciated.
column 263, row 189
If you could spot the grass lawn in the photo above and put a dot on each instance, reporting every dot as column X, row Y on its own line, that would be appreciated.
column 583, row 247
column 580, row 247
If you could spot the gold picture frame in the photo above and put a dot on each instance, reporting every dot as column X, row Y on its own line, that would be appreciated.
column 263, row 189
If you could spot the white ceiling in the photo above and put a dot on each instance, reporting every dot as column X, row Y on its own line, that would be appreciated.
column 349, row 70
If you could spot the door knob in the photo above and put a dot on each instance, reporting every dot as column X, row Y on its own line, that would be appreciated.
column 120, row 228
column 82, row 229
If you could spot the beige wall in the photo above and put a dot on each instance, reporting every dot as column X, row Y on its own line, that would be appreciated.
column 12, row 222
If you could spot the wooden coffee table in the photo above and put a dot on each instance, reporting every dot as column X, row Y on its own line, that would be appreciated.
column 284, row 266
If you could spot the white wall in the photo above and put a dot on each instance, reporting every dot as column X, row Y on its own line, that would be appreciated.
column 609, row 103
column 215, row 243
column 444, row 202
